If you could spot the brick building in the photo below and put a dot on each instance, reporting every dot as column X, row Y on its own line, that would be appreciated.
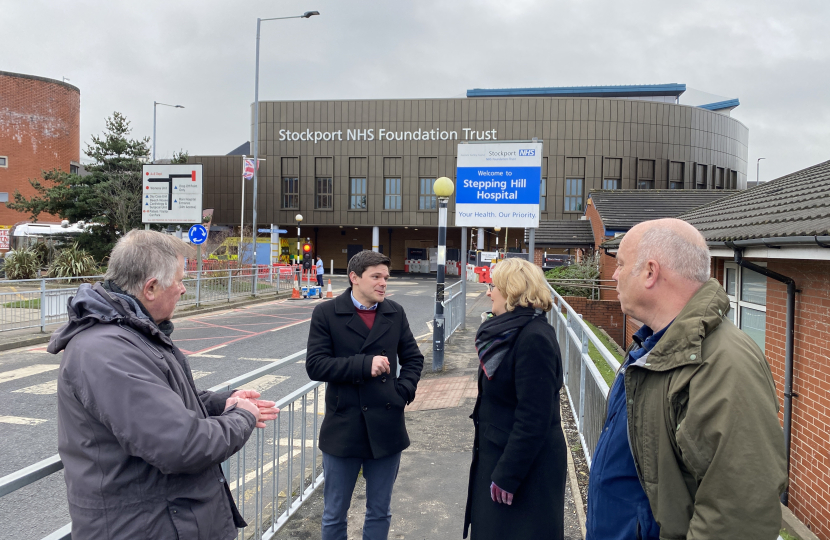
column 782, row 227
column 40, row 122
column 613, row 212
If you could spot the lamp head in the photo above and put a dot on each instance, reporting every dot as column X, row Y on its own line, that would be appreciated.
column 497, row 229
column 298, row 217
column 308, row 14
column 443, row 187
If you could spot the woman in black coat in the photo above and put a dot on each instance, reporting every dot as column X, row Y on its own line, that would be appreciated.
column 517, row 477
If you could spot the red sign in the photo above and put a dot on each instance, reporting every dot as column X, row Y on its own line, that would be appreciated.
column 4, row 238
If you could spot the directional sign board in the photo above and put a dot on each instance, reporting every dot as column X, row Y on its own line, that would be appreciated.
column 171, row 194
column 197, row 234
column 498, row 184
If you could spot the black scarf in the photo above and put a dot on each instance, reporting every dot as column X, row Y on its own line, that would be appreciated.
column 496, row 335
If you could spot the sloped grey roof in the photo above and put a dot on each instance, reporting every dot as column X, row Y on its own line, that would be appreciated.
column 797, row 204
column 621, row 209
column 564, row 233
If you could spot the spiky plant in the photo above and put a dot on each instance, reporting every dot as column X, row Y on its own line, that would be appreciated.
column 21, row 264
column 73, row 262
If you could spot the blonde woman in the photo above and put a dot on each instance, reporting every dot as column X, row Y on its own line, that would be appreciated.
column 517, row 477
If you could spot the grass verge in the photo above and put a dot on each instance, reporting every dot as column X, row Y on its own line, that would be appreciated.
column 605, row 370
column 25, row 304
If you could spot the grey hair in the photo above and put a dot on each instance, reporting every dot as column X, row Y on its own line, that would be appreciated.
column 142, row 255
column 674, row 251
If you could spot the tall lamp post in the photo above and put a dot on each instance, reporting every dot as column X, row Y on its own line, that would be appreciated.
column 299, row 219
column 758, row 171
column 155, row 104
column 305, row 15
column 443, row 188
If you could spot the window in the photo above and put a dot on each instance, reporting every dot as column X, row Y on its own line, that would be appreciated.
column 718, row 177
column 357, row 194
column 426, row 195
column 543, row 195
column 747, row 292
column 323, row 200
column 573, row 194
column 4, row 196
column 675, row 175
column 392, row 194
column 611, row 183
column 4, row 161
column 645, row 176
column 291, row 192
column 700, row 176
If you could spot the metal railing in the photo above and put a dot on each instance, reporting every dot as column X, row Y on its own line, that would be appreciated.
column 270, row 477
column 587, row 391
column 454, row 309
column 32, row 303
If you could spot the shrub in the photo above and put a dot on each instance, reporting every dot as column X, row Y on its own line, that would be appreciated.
column 73, row 262
column 586, row 270
column 21, row 264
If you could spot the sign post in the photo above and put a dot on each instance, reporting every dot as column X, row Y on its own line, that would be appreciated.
column 171, row 193
column 498, row 184
column 198, row 235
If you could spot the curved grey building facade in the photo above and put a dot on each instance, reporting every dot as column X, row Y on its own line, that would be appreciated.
column 371, row 162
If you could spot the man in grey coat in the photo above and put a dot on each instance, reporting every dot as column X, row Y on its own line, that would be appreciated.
column 140, row 445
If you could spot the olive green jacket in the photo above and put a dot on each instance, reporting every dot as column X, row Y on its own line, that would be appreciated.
column 703, row 428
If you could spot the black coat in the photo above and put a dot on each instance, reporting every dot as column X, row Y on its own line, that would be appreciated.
column 519, row 443
column 364, row 414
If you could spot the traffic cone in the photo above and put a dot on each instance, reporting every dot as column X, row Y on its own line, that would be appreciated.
column 328, row 292
column 295, row 293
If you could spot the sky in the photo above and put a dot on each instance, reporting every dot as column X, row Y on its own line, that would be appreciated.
column 774, row 56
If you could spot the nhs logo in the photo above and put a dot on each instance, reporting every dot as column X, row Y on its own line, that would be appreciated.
column 527, row 152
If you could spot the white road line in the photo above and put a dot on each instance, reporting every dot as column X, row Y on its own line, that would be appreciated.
column 203, row 355
column 45, row 389
column 14, row 374
column 429, row 325
column 22, row 421
column 270, row 464
column 265, row 382
column 213, row 349
column 200, row 374
column 260, row 359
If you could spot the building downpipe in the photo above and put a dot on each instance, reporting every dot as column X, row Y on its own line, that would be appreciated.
column 788, row 352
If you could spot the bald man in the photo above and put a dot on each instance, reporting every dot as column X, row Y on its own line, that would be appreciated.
column 691, row 447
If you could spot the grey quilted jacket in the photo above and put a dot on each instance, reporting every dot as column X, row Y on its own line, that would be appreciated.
column 141, row 447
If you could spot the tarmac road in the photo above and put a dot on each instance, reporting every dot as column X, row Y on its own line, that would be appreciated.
column 221, row 345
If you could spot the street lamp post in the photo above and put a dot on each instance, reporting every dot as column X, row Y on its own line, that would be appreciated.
column 305, row 15
column 443, row 188
column 299, row 219
column 155, row 104
column 758, row 171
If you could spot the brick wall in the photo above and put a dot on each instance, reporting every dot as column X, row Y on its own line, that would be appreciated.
column 810, row 457
column 39, row 130
column 631, row 327
column 605, row 314
column 607, row 264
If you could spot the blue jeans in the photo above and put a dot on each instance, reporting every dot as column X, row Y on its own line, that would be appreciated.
column 341, row 476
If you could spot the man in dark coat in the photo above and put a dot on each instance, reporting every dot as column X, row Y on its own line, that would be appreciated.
column 355, row 344
column 140, row 445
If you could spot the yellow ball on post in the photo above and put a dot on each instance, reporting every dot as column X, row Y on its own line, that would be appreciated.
column 443, row 187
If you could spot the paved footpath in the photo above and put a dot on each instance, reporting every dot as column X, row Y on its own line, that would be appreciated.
column 431, row 490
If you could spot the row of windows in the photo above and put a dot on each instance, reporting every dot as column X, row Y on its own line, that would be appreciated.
column 324, row 199
column 747, row 292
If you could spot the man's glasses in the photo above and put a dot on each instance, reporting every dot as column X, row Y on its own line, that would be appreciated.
column 490, row 287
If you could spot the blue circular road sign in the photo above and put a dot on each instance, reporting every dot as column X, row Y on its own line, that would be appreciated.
column 197, row 234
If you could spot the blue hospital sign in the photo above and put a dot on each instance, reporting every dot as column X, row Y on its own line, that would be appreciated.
column 498, row 185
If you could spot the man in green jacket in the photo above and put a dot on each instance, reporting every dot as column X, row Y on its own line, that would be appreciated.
column 702, row 410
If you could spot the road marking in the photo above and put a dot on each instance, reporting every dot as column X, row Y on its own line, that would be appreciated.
column 265, row 382
column 38, row 350
column 429, row 325
column 203, row 355
column 22, row 421
column 7, row 376
column 260, row 359
column 45, row 389
column 200, row 374
column 423, row 336
column 290, row 325
column 211, row 349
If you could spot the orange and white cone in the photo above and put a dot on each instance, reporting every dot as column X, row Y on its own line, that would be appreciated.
column 328, row 292
column 295, row 292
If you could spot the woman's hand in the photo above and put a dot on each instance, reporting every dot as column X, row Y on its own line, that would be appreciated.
column 499, row 495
